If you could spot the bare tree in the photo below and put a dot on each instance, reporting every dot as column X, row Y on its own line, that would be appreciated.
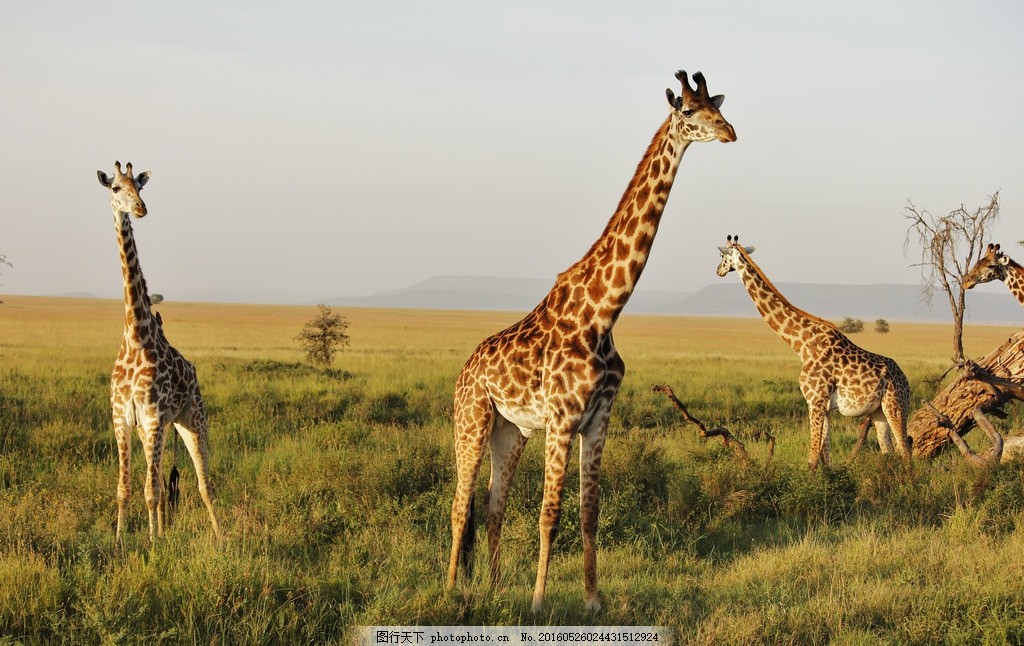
column 3, row 261
column 950, row 245
column 322, row 334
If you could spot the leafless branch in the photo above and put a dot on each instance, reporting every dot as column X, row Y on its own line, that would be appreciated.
column 728, row 440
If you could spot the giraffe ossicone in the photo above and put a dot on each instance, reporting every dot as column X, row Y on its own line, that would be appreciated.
column 557, row 370
column 152, row 386
column 837, row 374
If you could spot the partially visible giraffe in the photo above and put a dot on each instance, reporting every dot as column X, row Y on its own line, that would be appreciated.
column 557, row 370
column 837, row 374
column 152, row 386
column 995, row 265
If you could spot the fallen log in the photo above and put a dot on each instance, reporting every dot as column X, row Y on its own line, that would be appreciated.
column 983, row 387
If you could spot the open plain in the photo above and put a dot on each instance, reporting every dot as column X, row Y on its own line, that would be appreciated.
column 333, row 488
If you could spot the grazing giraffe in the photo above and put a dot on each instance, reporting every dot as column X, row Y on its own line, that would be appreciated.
column 557, row 369
column 995, row 265
column 152, row 386
column 837, row 374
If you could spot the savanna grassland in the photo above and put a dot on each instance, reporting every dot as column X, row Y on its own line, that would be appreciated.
column 333, row 488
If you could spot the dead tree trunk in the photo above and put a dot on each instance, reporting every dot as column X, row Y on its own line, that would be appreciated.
column 982, row 387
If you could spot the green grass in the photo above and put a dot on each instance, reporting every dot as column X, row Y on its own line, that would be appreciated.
column 334, row 487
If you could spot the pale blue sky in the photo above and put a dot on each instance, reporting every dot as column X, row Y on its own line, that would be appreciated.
column 325, row 149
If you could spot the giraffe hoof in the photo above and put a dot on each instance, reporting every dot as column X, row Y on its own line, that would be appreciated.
column 593, row 606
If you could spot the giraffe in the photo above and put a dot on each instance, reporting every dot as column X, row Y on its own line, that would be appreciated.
column 995, row 265
column 837, row 374
column 152, row 386
column 557, row 369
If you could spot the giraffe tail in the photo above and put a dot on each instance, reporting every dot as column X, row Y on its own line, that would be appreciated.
column 468, row 540
column 173, row 492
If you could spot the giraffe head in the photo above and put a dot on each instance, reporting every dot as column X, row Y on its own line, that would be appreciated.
column 124, row 189
column 732, row 255
column 991, row 266
column 695, row 115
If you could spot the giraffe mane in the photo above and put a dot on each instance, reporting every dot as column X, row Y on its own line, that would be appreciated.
column 757, row 270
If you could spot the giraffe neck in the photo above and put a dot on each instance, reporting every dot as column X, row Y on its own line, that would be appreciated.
column 598, row 286
column 138, row 317
column 790, row 323
column 1015, row 281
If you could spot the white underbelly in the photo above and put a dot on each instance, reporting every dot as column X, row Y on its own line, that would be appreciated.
column 853, row 407
column 527, row 418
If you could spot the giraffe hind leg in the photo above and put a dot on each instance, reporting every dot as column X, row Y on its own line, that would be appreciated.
column 194, row 433
column 507, row 444
column 473, row 419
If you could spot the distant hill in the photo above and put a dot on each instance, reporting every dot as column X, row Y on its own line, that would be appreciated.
column 867, row 302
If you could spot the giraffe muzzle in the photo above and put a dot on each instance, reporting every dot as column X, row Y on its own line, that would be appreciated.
column 727, row 134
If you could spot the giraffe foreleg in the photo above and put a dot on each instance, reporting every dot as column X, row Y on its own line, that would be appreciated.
column 558, row 444
column 507, row 444
column 819, row 448
column 153, row 448
column 123, row 436
column 591, row 450
column 195, row 434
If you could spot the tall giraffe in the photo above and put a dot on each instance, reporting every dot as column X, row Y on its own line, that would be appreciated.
column 557, row 369
column 837, row 374
column 995, row 265
column 152, row 386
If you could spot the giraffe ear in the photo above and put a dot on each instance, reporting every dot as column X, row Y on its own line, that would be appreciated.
column 104, row 180
column 718, row 100
column 142, row 178
column 675, row 101
column 724, row 250
column 1004, row 260
column 749, row 250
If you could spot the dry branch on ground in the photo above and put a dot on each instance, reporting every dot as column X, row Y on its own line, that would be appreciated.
column 728, row 440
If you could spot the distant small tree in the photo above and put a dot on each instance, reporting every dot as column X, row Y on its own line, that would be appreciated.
column 851, row 325
column 322, row 335
column 882, row 326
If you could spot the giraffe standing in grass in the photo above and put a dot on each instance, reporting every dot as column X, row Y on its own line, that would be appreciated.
column 557, row 370
column 152, row 385
column 995, row 265
column 837, row 374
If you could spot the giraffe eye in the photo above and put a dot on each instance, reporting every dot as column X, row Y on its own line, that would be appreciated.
column 116, row 189
column 688, row 113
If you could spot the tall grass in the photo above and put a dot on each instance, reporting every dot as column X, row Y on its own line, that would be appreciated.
column 334, row 486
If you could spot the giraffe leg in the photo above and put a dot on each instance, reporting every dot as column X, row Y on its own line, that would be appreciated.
column 195, row 435
column 883, row 431
column 819, row 449
column 153, row 448
column 894, row 411
column 123, row 435
column 556, row 458
column 474, row 415
column 591, row 449
column 507, row 444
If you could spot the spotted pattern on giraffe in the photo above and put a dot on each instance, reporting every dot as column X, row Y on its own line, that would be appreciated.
column 836, row 374
column 557, row 370
column 152, row 386
column 995, row 265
